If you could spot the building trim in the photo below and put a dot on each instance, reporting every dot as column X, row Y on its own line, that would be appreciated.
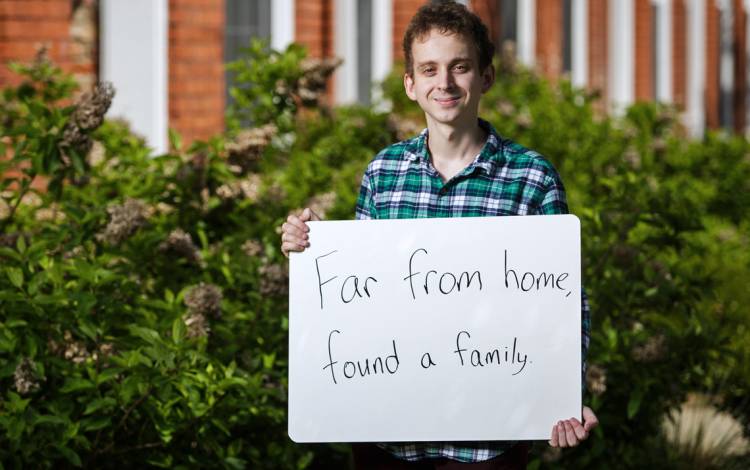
column 580, row 43
column 134, row 56
column 526, row 32
column 695, row 119
column 621, row 54
column 282, row 23
column 345, row 47
column 663, row 85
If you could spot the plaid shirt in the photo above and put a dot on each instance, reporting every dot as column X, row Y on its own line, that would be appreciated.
column 504, row 179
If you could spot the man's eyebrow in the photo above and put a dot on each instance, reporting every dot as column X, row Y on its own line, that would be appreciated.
column 453, row 61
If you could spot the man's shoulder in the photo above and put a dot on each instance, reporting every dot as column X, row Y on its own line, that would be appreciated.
column 518, row 157
column 394, row 155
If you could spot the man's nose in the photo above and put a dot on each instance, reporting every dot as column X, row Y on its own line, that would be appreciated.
column 446, row 80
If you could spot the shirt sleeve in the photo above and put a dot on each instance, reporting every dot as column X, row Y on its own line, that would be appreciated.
column 365, row 202
column 554, row 202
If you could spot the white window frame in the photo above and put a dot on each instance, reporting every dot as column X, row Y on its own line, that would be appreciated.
column 695, row 117
column 580, row 43
column 134, row 44
column 526, row 32
column 381, row 56
column 621, row 53
column 664, row 67
column 283, row 19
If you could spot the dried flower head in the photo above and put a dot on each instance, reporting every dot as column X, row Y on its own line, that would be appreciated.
column 9, row 240
column 204, row 299
column 652, row 350
column 551, row 454
column 88, row 115
column 248, row 188
column 315, row 72
column 403, row 128
column 74, row 351
column 506, row 108
column 252, row 248
column 180, row 243
column 97, row 153
column 25, row 378
column 596, row 379
column 274, row 279
column 106, row 349
column 524, row 119
column 247, row 148
column 124, row 220
column 633, row 158
column 197, row 325
column 322, row 203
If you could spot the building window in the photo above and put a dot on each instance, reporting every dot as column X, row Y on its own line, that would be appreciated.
column 567, row 29
column 364, row 51
column 245, row 20
column 508, row 22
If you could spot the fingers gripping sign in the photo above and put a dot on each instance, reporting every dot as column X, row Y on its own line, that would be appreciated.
column 294, row 232
column 571, row 432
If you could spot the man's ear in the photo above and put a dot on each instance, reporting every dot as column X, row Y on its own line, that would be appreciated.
column 488, row 78
column 409, row 86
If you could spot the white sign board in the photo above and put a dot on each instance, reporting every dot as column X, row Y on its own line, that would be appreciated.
column 449, row 329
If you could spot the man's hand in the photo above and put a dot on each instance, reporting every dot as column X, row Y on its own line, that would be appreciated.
column 294, row 231
column 571, row 432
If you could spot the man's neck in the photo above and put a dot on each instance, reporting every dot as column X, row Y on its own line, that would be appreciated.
column 454, row 145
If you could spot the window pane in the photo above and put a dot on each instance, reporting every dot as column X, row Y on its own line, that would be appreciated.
column 245, row 19
column 364, row 50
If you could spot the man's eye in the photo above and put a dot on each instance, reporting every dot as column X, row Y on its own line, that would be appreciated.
column 428, row 70
column 460, row 68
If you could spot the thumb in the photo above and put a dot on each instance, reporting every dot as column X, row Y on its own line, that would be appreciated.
column 313, row 215
column 590, row 420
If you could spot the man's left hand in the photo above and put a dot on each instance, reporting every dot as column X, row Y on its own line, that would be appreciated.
column 571, row 432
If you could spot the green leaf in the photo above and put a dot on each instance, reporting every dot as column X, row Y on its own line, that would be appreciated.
column 75, row 384
column 178, row 330
column 49, row 419
column 146, row 334
column 98, row 404
column 15, row 275
column 21, row 244
column 95, row 423
column 268, row 360
column 108, row 374
column 635, row 403
column 70, row 455
column 175, row 141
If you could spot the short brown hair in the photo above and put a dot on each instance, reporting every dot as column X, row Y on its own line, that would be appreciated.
column 448, row 17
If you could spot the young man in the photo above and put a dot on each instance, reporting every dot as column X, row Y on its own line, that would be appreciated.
column 457, row 167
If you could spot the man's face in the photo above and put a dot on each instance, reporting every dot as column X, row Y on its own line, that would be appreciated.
column 446, row 80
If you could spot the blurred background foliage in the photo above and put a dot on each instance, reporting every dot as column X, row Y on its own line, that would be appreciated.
column 143, row 299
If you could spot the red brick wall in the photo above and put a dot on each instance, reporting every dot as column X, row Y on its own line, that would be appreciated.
column 644, row 86
column 598, row 46
column 679, row 53
column 739, row 34
column 489, row 12
column 314, row 26
column 196, row 69
column 712, row 65
column 70, row 35
column 403, row 10
column 549, row 37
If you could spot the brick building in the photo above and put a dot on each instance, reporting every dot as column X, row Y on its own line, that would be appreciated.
column 166, row 56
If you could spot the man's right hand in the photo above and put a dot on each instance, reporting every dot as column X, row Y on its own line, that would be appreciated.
column 294, row 231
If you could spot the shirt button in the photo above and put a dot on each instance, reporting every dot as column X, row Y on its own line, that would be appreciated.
column 443, row 190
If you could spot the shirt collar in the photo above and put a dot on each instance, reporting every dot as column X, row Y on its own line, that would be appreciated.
column 486, row 160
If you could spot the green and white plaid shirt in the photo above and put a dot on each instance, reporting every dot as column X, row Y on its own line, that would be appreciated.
column 504, row 179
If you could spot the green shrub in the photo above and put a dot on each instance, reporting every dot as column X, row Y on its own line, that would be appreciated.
column 143, row 298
